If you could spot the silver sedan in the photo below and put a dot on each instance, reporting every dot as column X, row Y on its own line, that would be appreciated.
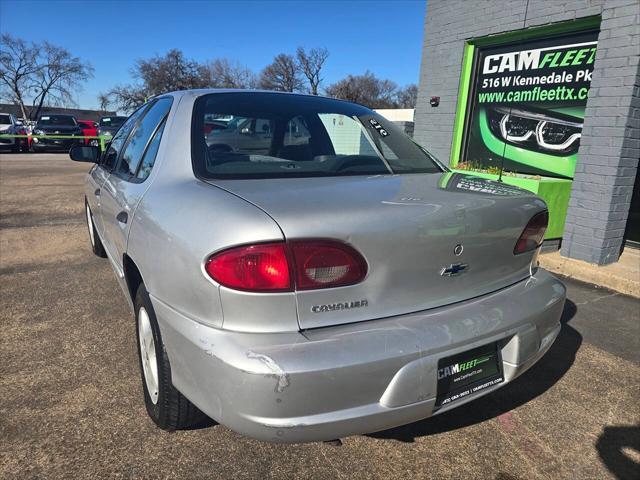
column 300, row 270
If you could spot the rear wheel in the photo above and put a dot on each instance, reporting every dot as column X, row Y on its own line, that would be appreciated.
column 96, row 243
column 166, row 406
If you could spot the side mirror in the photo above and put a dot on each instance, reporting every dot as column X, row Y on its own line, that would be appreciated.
column 84, row 153
column 246, row 131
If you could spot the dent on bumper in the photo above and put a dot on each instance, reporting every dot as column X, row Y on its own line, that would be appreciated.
column 358, row 378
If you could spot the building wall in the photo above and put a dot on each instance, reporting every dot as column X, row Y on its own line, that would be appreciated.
column 610, row 144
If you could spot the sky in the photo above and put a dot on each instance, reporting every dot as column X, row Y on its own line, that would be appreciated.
column 384, row 37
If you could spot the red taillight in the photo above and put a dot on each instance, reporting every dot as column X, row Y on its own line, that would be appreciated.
column 533, row 233
column 256, row 268
column 266, row 267
column 324, row 264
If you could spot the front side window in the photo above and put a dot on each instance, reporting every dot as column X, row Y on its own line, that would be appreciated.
column 270, row 135
column 139, row 139
column 5, row 120
column 117, row 142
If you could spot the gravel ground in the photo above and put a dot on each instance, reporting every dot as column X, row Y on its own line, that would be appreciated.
column 71, row 398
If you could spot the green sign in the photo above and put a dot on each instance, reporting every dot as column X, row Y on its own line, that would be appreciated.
column 527, row 106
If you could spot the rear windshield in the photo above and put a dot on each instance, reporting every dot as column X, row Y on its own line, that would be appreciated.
column 5, row 120
column 65, row 120
column 112, row 121
column 270, row 135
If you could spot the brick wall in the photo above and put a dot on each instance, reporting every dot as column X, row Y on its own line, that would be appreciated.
column 610, row 143
column 608, row 155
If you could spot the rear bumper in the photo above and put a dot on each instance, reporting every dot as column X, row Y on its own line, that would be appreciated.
column 337, row 381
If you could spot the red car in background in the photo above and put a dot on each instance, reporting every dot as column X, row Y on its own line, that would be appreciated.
column 89, row 129
column 25, row 143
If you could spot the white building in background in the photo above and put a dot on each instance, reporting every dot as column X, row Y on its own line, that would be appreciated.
column 403, row 117
column 396, row 114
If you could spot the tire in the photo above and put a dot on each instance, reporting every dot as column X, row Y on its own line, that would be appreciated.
column 94, row 238
column 167, row 407
column 16, row 147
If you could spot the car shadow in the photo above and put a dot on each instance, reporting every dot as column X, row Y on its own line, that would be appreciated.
column 611, row 447
column 202, row 424
column 533, row 383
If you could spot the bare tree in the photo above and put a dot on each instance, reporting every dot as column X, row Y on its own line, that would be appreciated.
column 18, row 64
column 407, row 96
column 310, row 64
column 366, row 89
column 103, row 100
column 58, row 78
column 171, row 72
column 158, row 75
column 282, row 75
column 123, row 97
column 43, row 73
column 227, row 73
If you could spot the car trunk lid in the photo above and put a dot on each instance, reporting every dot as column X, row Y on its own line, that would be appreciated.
column 429, row 239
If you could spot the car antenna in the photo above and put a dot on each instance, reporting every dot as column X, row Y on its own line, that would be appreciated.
column 504, row 149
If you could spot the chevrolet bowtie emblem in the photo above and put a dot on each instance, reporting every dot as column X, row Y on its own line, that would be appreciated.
column 453, row 269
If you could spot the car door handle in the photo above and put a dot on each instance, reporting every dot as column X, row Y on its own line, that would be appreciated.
column 122, row 217
column 97, row 192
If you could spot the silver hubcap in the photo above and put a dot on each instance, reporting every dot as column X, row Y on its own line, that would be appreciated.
column 90, row 226
column 148, row 354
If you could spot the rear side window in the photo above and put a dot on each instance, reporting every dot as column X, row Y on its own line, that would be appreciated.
column 141, row 136
column 271, row 135
column 149, row 157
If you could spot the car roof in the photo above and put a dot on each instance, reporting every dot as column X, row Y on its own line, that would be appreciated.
column 198, row 92
column 206, row 91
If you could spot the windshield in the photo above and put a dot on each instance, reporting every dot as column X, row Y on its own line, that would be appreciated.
column 112, row 121
column 270, row 135
column 63, row 120
column 5, row 120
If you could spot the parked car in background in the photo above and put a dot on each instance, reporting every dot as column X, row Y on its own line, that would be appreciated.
column 327, row 278
column 108, row 126
column 89, row 129
column 56, row 125
column 251, row 134
column 9, row 125
column 216, row 122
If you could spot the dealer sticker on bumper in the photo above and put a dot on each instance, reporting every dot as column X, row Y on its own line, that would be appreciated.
column 467, row 373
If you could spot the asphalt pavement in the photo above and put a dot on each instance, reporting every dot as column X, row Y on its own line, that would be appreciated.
column 71, row 400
